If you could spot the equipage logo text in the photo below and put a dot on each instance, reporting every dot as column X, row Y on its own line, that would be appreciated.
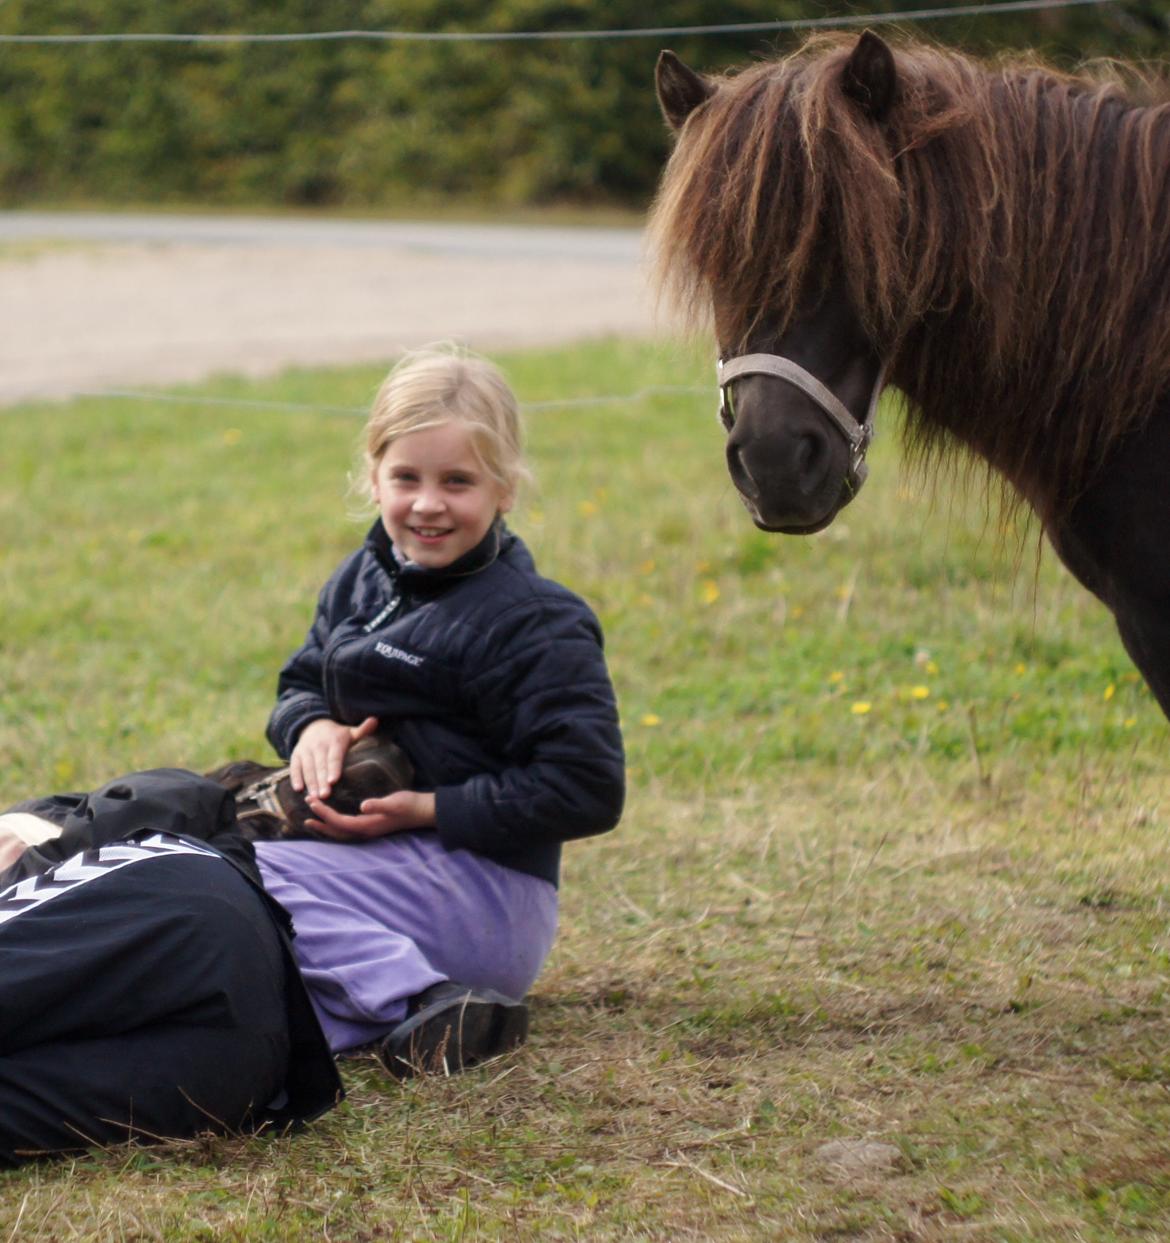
column 396, row 653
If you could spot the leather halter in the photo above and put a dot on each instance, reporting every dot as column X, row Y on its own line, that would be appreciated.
column 857, row 435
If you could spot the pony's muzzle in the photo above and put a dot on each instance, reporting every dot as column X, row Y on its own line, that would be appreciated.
column 758, row 470
column 798, row 460
column 787, row 470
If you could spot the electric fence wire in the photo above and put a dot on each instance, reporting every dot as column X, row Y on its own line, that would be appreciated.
column 247, row 403
column 515, row 36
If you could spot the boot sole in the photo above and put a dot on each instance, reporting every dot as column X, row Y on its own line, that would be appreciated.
column 455, row 1034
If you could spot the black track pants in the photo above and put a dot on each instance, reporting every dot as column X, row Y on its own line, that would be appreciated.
column 141, row 996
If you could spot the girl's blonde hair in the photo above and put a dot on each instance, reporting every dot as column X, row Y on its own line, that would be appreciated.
column 449, row 384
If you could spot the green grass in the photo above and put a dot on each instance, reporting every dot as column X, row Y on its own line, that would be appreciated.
column 444, row 208
column 894, row 866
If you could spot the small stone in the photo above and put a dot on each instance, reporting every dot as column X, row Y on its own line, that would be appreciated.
column 856, row 1157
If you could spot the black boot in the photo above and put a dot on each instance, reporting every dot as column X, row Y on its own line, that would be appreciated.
column 452, row 1027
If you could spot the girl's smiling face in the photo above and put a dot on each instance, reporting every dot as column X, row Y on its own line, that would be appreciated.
column 436, row 499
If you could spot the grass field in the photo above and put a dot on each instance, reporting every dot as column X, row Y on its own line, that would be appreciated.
column 893, row 875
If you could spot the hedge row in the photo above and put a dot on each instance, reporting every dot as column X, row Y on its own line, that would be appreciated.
column 390, row 124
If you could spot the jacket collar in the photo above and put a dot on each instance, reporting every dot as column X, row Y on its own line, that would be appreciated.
column 410, row 576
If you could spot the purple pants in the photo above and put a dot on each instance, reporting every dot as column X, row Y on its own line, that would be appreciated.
column 377, row 923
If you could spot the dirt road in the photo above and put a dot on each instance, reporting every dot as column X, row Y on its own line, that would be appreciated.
column 92, row 302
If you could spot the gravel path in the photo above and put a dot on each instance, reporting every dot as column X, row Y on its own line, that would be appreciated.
column 117, row 301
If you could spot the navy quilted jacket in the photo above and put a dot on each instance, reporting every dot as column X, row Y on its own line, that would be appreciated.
column 491, row 678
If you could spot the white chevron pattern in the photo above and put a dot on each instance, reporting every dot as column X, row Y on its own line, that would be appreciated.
column 28, row 894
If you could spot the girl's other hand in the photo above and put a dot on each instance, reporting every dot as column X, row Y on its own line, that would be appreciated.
column 393, row 813
column 319, row 756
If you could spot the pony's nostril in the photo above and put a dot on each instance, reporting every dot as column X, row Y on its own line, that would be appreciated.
column 811, row 455
column 740, row 475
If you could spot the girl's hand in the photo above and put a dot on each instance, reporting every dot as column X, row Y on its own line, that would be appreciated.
column 318, row 757
column 404, row 809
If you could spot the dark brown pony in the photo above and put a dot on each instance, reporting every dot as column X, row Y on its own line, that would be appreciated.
column 994, row 241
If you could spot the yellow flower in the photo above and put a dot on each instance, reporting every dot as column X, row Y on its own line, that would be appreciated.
column 710, row 590
column 861, row 707
column 647, row 566
column 836, row 676
column 651, row 718
column 920, row 692
column 586, row 509
column 1021, row 668
column 931, row 667
column 1129, row 722
column 1110, row 691
column 942, row 705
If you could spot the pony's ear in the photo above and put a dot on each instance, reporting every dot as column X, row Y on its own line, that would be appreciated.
column 680, row 89
column 870, row 77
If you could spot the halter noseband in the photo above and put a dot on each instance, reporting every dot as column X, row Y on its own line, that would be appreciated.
column 857, row 435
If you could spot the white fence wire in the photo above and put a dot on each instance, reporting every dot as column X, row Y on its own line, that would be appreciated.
column 246, row 403
column 516, row 36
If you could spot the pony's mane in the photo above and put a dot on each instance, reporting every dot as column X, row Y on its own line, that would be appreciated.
column 1004, row 234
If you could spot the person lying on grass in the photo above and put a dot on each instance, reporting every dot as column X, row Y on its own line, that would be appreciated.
column 147, row 986
column 423, row 924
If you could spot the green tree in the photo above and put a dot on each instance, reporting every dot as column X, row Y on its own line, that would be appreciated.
column 373, row 124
